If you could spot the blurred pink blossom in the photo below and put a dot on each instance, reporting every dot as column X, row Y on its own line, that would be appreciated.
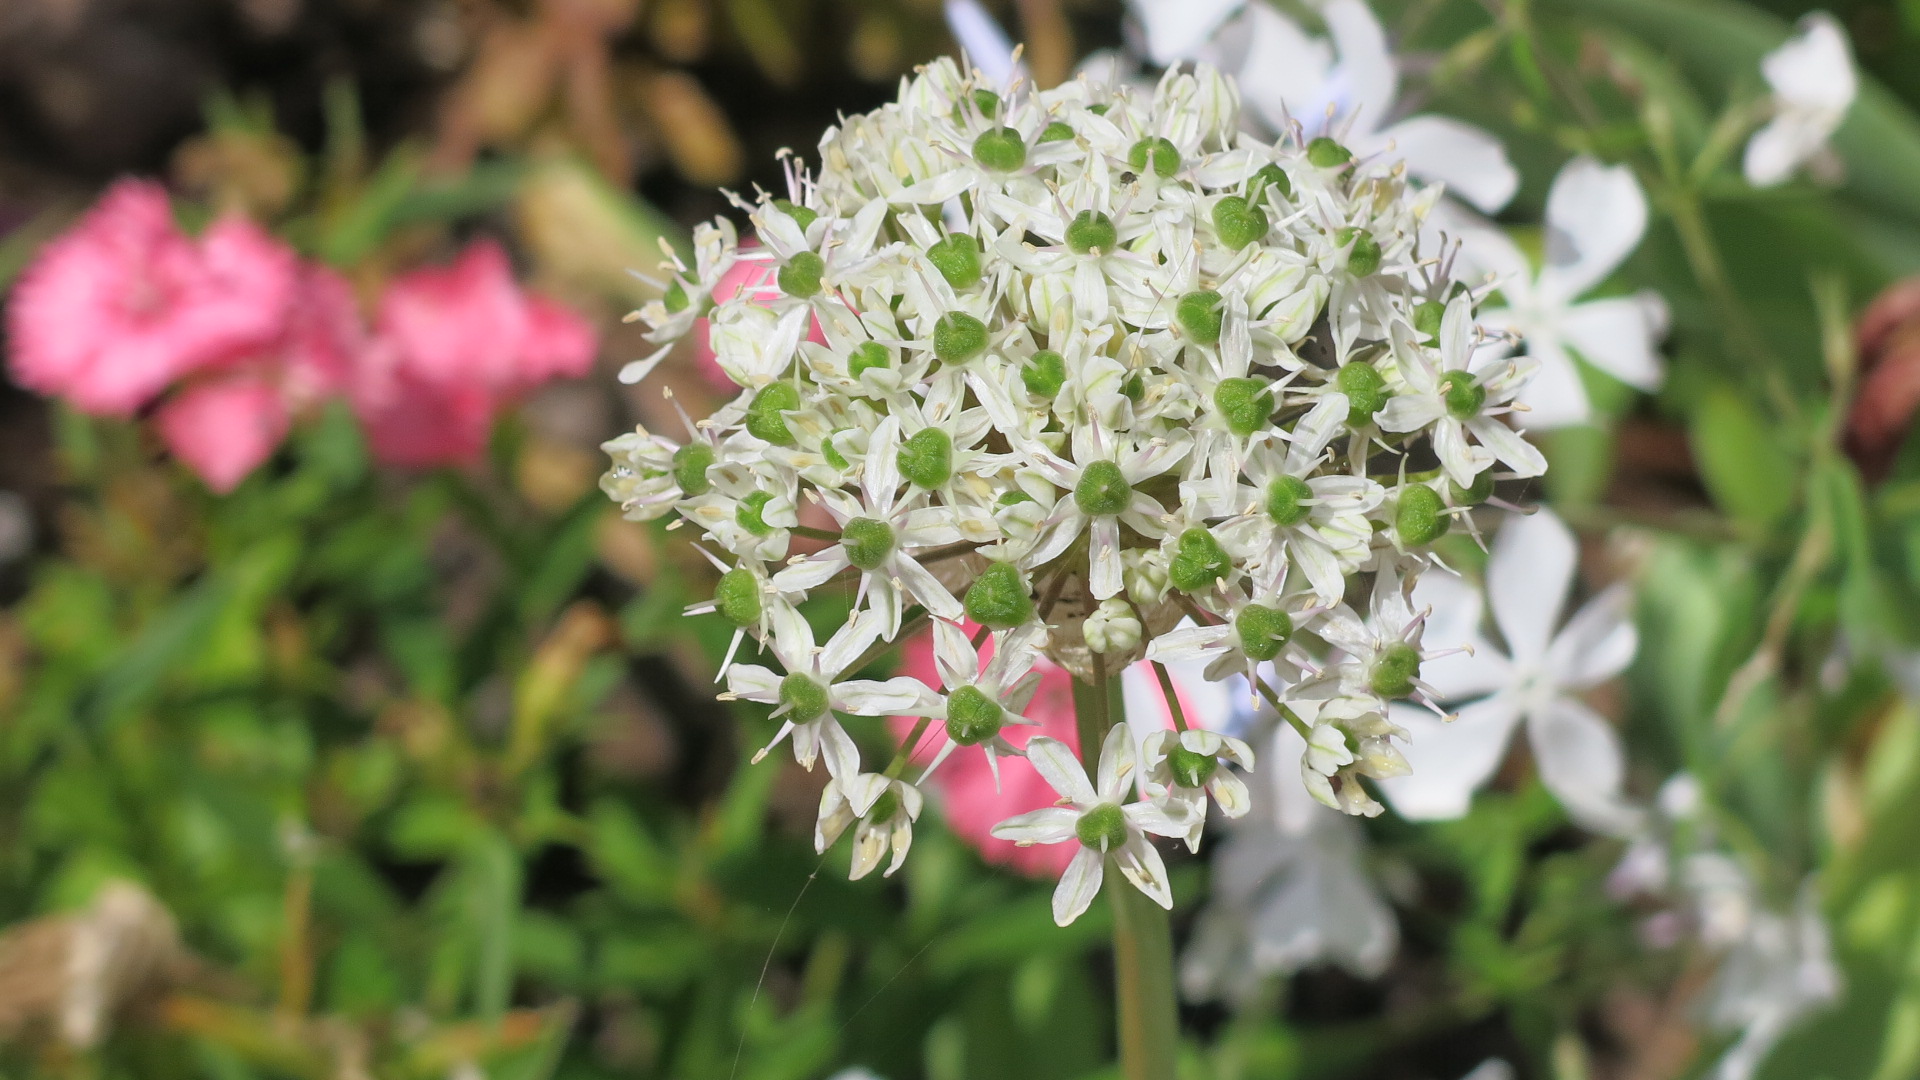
column 224, row 425
column 452, row 346
column 125, row 303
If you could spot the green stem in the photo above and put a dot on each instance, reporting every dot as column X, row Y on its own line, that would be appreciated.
column 1147, row 1020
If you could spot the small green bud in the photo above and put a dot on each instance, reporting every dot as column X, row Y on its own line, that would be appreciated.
column 868, row 542
column 1200, row 314
column 1198, row 561
column 690, row 465
column 737, row 597
column 1245, row 404
column 764, row 415
column 832, row 453
column 1464, row 395
column 751, row 513
column 1420, row 517
column 675, row 297
column 1366, row 391
column 1395, row 669
column 801, row 276
column 1364, row 257
column 926, row 458
column 1045, row 373
column 1238, row 223
column 987, row 102
column 801, row 216
column 1103, row 490
column 973, row 717
column 999, row 598
column 1013, row 498
column 1287, row 500
column 1263, row 631
column 884, row 807
column 1269, row 176
column 1100, row 109
column 958, row 259
column 805, row 699
column 1090, row 230
column 1056, row 131
column 1325, row 153
column 1165, row 157
column 958, row 337
column 867, row 356
column 1103, row 828
column 1000, row 150
column 1190, row 770
column 1476, row 493
column 1427, row 318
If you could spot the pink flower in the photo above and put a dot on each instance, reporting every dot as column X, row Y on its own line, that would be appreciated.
column 756, row 278
column 454, row 345
column 125, row 303
column 225, row 424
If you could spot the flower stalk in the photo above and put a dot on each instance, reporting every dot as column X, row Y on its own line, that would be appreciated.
column 1147, row 1023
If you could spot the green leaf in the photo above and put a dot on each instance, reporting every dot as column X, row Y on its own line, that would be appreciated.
column 1743, row 461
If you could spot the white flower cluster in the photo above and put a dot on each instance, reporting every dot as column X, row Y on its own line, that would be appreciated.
column 1103, row 375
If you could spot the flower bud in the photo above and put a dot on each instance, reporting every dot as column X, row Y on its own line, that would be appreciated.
column 1112, row 627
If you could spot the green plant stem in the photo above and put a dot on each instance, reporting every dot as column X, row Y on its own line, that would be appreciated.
column 1148, row 1025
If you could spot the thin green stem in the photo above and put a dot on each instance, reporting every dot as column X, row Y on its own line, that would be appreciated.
column 1286, row 713
column 814, row 534
column 1173, row 698
column 1147, row 1018
column 905, row 753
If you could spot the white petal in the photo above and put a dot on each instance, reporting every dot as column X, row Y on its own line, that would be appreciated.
column 1450, row 759
column 1162, row 818
column 1061, row 769
column 1078, row 886
column 926, row 588
column 1508, row 446
column 865, row 697
column 1555, row 396
column 1619, row 335
column 1049, row 825
column 812, row 572
column 1230, row 792
column 1814, row 68
column 1469, row 160
column 1141, row 864
column 1597, row 643
column 1528, row 576
column 754, row 683
column 1366, row 75
column 1117, row 758
column 1596, row 215
column 1107, row 568
column 981, row 39
column 843, row 758
column 880, row 470
column 1178, row 29
column 1582, row 764
column 953, row 655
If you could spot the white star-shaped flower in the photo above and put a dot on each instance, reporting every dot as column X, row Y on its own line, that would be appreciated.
column 1091, row 815
column 1814, row 83
column 1578, row 753
column 1596, row 216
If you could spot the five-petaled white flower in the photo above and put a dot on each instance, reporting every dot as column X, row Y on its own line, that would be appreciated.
column 1596, row 216
column 1092, row 814
column 1345, row 84
column 1577, row 751
column 1814, row 84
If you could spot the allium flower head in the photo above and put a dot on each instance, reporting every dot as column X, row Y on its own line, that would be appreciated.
column 1093, row 363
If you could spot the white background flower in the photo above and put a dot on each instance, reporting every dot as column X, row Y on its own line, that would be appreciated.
column 1814, row 84
column 1287, row 73
column 1578, row 753
column 1596, row 216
